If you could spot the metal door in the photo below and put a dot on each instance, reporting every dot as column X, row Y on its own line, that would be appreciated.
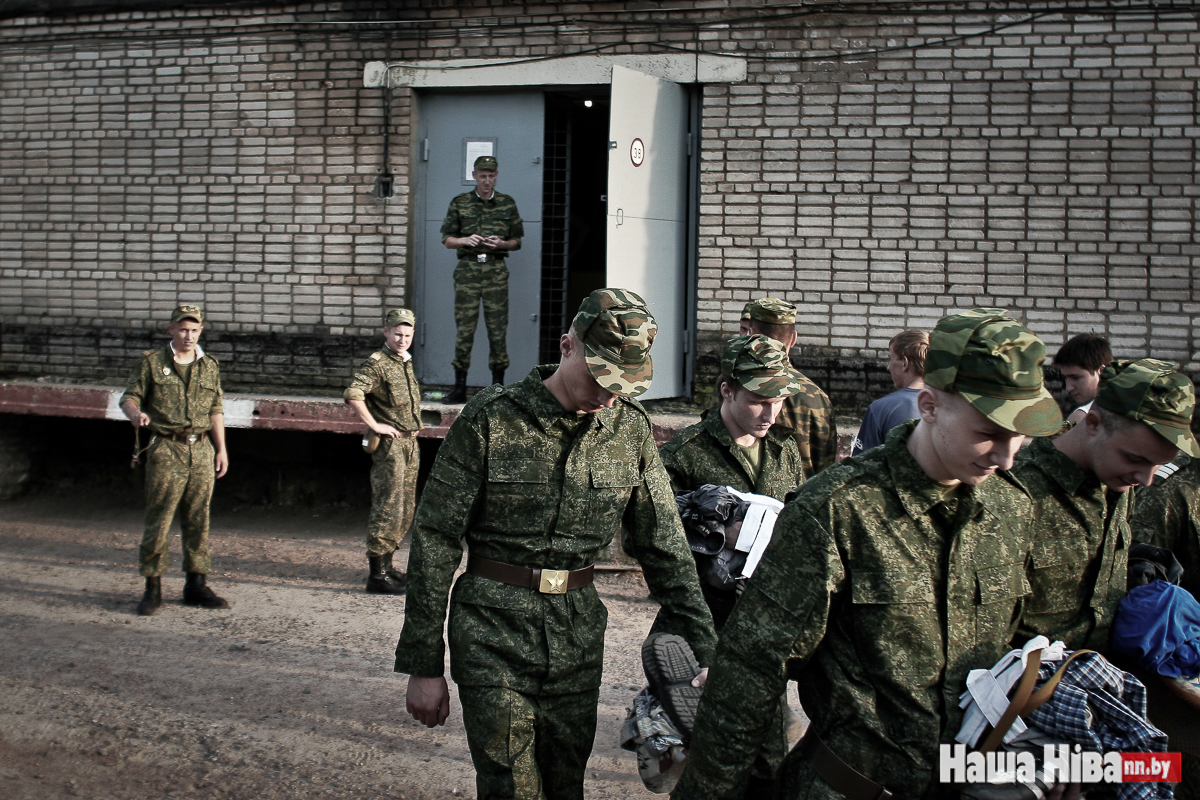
column 453, row 129
column 648, row 211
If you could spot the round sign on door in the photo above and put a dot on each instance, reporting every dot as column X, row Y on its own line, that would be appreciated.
column 637, row 152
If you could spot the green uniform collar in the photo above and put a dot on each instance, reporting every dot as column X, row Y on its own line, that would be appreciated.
column 544, row 406
column 917, row 491
column 1065, row 472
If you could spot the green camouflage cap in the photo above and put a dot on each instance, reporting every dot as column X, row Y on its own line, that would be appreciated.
column 400, row 316
column 995, row 364
column 760, row 364
column 1153, row 392
column 770, row 310
column 487, row 162
column 188, row 312
column 617, row 330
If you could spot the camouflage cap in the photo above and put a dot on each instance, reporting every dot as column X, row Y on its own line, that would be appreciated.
column 995, row 364
column 1152, row 392
column 770, row 310
column 487, row 162
column 188, row 312
column 400, row 316
column 760, row 364
column 617, row 330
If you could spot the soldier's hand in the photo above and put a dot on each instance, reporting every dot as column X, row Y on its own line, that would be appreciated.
column 474, row 240
column 221, row 461
column 700, row 679
column 428, row 700
column 140, row 420
column 492, row 242
column 386, row 430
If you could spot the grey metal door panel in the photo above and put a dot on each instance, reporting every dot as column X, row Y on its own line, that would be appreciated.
column 513, row 121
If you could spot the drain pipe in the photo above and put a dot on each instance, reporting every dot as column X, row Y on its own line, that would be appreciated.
column 384, row 181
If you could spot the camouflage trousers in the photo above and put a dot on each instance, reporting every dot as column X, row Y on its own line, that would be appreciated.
column 179, row 477
column 528, row 747
column 474, row 282
column 393, row 493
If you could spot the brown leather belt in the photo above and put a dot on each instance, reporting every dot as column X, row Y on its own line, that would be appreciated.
column 183, row 438
column 483, row 258
column 840, row 776
column 546, row 581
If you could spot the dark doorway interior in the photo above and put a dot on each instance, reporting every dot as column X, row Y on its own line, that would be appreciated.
column 574, row 211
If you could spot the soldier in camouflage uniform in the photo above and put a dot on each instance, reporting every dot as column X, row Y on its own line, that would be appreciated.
column 1080, row 483
column 808, row 412
column 742, row 447
column 537, row 477
column 484, row 227
column 890, row 576
column 176, row 393
column 387, row 397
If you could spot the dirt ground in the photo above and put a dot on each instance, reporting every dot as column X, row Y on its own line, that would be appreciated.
column 289, row 694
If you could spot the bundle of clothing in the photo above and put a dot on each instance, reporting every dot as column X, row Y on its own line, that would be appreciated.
column 728, row 531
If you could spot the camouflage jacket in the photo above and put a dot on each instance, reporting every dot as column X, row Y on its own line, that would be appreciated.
column 525, row 483
column 387, row 384
column 889, row 593
column 469, row 213
column 1168, row 515
column 809, row 415
column 172, row 406
column 1081, row 541
column 705, row 453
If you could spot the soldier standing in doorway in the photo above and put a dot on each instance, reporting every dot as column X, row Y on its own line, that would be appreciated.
column 483, row 226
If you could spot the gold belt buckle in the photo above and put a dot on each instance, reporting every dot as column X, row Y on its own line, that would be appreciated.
column 554, row 581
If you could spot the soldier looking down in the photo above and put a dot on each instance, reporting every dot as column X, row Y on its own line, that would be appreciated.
column 536, row 477
column 483, row 226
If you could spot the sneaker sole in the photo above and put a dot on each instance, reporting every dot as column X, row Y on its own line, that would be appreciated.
column 670, row 667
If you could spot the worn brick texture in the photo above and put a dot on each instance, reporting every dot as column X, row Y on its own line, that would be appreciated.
column 879, row 167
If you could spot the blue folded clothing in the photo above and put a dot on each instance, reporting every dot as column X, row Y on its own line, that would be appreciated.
column 1159, row 624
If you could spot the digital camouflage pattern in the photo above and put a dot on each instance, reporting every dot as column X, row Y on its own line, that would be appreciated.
column 617, row 331
column 770, row 310
column 526, row 747
column 995, row 364
column 1081, row 544
column 524, row 482
column 760, row 365
column 705, row 453
column 1167, row 514
column 485, row 282
column 179, row 477
column 889, row 590
column 808, row 414
column 1152, row 391
column 388, row 385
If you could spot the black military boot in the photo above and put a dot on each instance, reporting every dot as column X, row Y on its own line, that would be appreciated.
column 498, row 376
column 151, row 601
column 459, row 393
column 379, row 582
column 397, row 577
column 197, row 593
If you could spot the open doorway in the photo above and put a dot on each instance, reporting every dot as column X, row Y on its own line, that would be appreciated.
column 574, row 183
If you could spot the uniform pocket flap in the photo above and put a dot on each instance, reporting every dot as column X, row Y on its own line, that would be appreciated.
column 519, row 470
column 476, row 591
column 1001, row 583
column 876, row 587
column 615, row 475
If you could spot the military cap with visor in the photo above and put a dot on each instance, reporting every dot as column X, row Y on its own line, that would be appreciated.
column 770, row 310
column 400, row 316
column 995, row 364
column 187, row 311
column 1153, row 392
column 760, row 365
column 617, row 330
column 486, row 162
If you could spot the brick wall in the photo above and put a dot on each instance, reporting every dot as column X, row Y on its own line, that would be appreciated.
column 878, row 169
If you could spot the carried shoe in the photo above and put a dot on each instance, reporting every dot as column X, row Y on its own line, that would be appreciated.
column 151, row 601
column 670, row 667
column 197, row 593
column 459, row 393
column 397, row 577
column 379, row 582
